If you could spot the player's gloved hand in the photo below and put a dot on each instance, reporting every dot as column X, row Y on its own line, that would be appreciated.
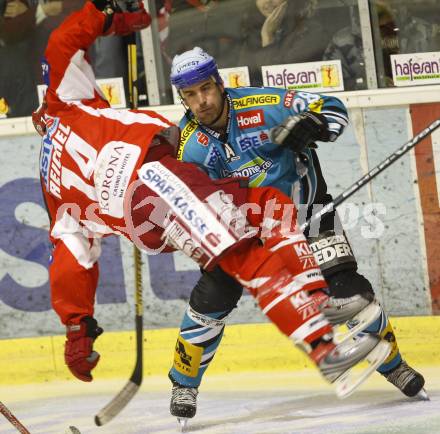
column 38, row 119
column 78, row 351
column 128, row 22
column 119, row 22
column 301, row 131
column 107, row 6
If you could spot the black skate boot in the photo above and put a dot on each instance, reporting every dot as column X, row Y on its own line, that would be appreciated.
column 407, row 380
column 183, row 403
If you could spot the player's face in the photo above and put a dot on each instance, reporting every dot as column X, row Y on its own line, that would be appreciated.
column 205, row 100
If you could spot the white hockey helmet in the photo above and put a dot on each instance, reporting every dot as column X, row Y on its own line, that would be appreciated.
column 192, row 67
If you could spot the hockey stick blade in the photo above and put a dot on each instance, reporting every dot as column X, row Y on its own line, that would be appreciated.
column 118, row 403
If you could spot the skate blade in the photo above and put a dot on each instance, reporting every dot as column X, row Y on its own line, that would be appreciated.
column 183, row 421
column 364, row 319
column 347, row 383
column 421, row 396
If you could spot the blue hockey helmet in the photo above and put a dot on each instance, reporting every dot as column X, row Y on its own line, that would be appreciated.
column 192, row 67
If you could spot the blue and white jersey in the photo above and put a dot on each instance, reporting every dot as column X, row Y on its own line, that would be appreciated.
column 247, row 149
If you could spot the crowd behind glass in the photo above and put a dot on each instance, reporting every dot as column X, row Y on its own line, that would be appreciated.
column 249, row 33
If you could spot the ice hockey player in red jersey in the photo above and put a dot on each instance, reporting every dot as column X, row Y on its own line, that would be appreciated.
column 106, row 171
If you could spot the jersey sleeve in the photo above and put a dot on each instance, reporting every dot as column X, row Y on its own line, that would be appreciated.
column 66, row 69
column 331, row 107
column 74, row 270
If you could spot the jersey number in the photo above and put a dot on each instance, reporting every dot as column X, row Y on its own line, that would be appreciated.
column 84, row 156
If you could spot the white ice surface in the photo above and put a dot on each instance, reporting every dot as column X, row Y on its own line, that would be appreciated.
column 291, row 403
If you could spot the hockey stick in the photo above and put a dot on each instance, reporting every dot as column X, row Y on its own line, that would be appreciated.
column 371, row 174
column 11, row 418
column 116, row 405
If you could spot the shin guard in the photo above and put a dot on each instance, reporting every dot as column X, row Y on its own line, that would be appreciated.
column 382, row 327
column 199, row 337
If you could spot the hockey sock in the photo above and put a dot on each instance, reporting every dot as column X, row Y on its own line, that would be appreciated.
column 292, row 309
column 383, row 328
column 199, row 337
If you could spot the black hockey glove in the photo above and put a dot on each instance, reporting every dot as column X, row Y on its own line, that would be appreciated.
column 107, row 6
column 118, row 5
column 301, row 131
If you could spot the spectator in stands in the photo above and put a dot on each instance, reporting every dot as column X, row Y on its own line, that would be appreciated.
column 24, row 30
column 413, row 34
column 18, row 94
column 212, row 25
column 346, row 45
column 17, row 20
column 280, row 32
column 399, row 31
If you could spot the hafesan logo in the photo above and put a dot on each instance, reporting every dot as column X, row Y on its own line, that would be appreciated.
column 330, row 77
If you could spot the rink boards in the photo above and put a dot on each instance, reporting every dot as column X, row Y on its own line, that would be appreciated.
column 245, row 348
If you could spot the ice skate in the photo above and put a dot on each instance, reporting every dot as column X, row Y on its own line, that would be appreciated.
column 183, row 403
column 336, row 366
column 359, row 311
column 408, row 381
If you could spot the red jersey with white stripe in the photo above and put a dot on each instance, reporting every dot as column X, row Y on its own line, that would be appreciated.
column 89, row 157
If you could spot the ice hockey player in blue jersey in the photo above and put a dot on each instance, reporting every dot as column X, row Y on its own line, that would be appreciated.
column 268, row 135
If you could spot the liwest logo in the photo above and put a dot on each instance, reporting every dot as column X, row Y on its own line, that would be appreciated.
column 420, row 68
column 45, row 159
column 51, row 168
column 187, row 65
column 47, row 149
column 250, row 119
